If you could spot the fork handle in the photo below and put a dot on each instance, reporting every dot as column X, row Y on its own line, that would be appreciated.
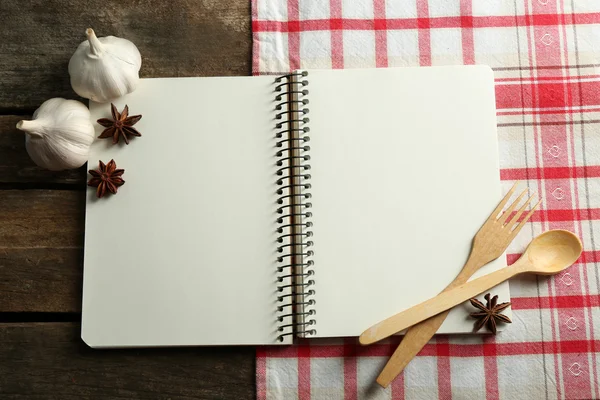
column 440, row 303
column 414, row 340
column 418, row 335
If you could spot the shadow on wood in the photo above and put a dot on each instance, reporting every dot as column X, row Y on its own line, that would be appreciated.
column 49, row 360
column 41, row 250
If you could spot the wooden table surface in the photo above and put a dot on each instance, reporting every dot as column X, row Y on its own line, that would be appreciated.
column 42, row 212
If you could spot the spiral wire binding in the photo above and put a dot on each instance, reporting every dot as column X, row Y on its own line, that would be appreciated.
column 294, row 265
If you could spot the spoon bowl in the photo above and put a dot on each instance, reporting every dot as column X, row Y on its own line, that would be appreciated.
column 551, row 252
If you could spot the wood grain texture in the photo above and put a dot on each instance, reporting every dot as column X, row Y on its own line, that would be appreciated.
column 175, row 38
column 49, row 361
column 17, row 167
column 41, row 250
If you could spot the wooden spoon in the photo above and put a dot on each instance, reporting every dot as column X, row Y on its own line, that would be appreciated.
column 548, row 254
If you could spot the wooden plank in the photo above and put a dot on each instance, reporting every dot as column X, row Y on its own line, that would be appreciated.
column 49, row 361
column 175, row 38
column 41, row 280
column 41, row 241
column 17, row 167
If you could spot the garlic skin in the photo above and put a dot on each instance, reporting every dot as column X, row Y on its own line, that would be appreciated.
column 104, row 69
column 60, row 134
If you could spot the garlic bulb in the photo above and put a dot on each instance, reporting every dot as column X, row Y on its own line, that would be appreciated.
column 60, row 134
column 104, row 69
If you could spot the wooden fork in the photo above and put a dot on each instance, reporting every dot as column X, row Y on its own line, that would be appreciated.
column 489, row 243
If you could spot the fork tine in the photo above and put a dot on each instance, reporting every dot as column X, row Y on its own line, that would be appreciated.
column 496, row 212
column 511, row 208
column 514, row 219
column 522, row 223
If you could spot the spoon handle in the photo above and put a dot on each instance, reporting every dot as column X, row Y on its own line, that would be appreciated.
column 438, row 304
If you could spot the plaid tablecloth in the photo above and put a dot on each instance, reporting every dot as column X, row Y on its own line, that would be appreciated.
column 546, row 59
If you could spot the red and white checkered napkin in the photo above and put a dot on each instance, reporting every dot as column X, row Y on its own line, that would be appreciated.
column 546, row 59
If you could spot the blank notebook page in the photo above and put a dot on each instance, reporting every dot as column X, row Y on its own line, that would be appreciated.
column 404, row 173
column 184, row 253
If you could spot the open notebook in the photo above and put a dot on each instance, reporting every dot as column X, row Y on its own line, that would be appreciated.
column 315, row 204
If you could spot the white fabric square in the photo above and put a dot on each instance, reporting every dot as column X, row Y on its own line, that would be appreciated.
column 588, row 191
column 315, row 49
column 543, row 290
column 446, row 46
column 569, row 42
column 443, row 8
column 596, row 318
column 523, row 328
column 403, row 48
column 420, row 371
column 593, row 285
column 313, row 9
column 516, row 146
column 500, row 47
column 577, row 143
column 587, row 38
column 323, row 370
column 359, row 49
column 271, row 10
column 282, row 373
column 462, row 371
column 524, row 286
column 516, row 373
column 583, row 53
column 590, row 145
column 596, row 359
column 492, row 8
column 520, row 5
column 588, row 282
column 587, row 231
column 585, row 6
column 367, row 370
column 420, row 378
column 551, row 326
column 400, row 9
column 327, row 378
column 357, row 9
column 273, row 51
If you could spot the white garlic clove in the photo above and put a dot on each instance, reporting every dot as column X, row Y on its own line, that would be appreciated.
column 103, row 69
column 60, row 134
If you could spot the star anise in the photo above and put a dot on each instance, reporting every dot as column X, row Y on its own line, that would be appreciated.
column 489, row 314
column 107, row 176
column 120, row 125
